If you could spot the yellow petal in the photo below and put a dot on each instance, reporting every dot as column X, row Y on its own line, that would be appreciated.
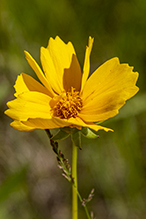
column 86, row 67
column 78, row 122
column 108, row 77
column 25, row 83
column 55, row 122
column 20, row 126
column 29, row 105
column 98, row 127
column 39, row 73
column 103, row 107
column 60, row 65
column 39, row 123
column 72, row 75
column 107, row 89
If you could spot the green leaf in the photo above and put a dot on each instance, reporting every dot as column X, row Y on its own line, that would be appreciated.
column 88, row 133
column 76, row 139
column 60, row 135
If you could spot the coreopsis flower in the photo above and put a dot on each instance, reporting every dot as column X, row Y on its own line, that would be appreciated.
column 66, row 97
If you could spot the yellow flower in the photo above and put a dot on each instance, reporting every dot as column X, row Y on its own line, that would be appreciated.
column 66, row 97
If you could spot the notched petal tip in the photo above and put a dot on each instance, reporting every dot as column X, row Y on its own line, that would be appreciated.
column 6, row 111
column 90, row 42
column 86, row 67
column 57, row 40
column 25, row 52
column 27, row 56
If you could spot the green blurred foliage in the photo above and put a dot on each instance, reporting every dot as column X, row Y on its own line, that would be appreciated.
column 31, row 185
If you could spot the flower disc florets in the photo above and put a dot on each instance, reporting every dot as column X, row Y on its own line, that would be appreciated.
column 69, row 104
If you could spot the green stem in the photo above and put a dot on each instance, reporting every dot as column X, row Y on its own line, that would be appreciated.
column 75, row 184
column 81, row 200
column 75, row 192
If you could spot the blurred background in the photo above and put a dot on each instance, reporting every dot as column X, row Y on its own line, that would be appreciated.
column 31, row 185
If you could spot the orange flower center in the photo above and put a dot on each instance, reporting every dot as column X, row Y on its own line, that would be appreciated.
column 69, row 104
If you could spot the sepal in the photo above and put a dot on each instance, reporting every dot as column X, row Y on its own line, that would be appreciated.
column 76, row 139
column 88, row 133
column 98, row 123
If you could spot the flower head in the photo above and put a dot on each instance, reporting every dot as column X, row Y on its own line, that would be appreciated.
column 66, row 97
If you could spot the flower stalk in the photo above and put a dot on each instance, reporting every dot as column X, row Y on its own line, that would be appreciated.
column 71, row 175
column 75, row 184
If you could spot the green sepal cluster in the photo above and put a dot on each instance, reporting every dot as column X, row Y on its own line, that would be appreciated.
column 75, row 133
